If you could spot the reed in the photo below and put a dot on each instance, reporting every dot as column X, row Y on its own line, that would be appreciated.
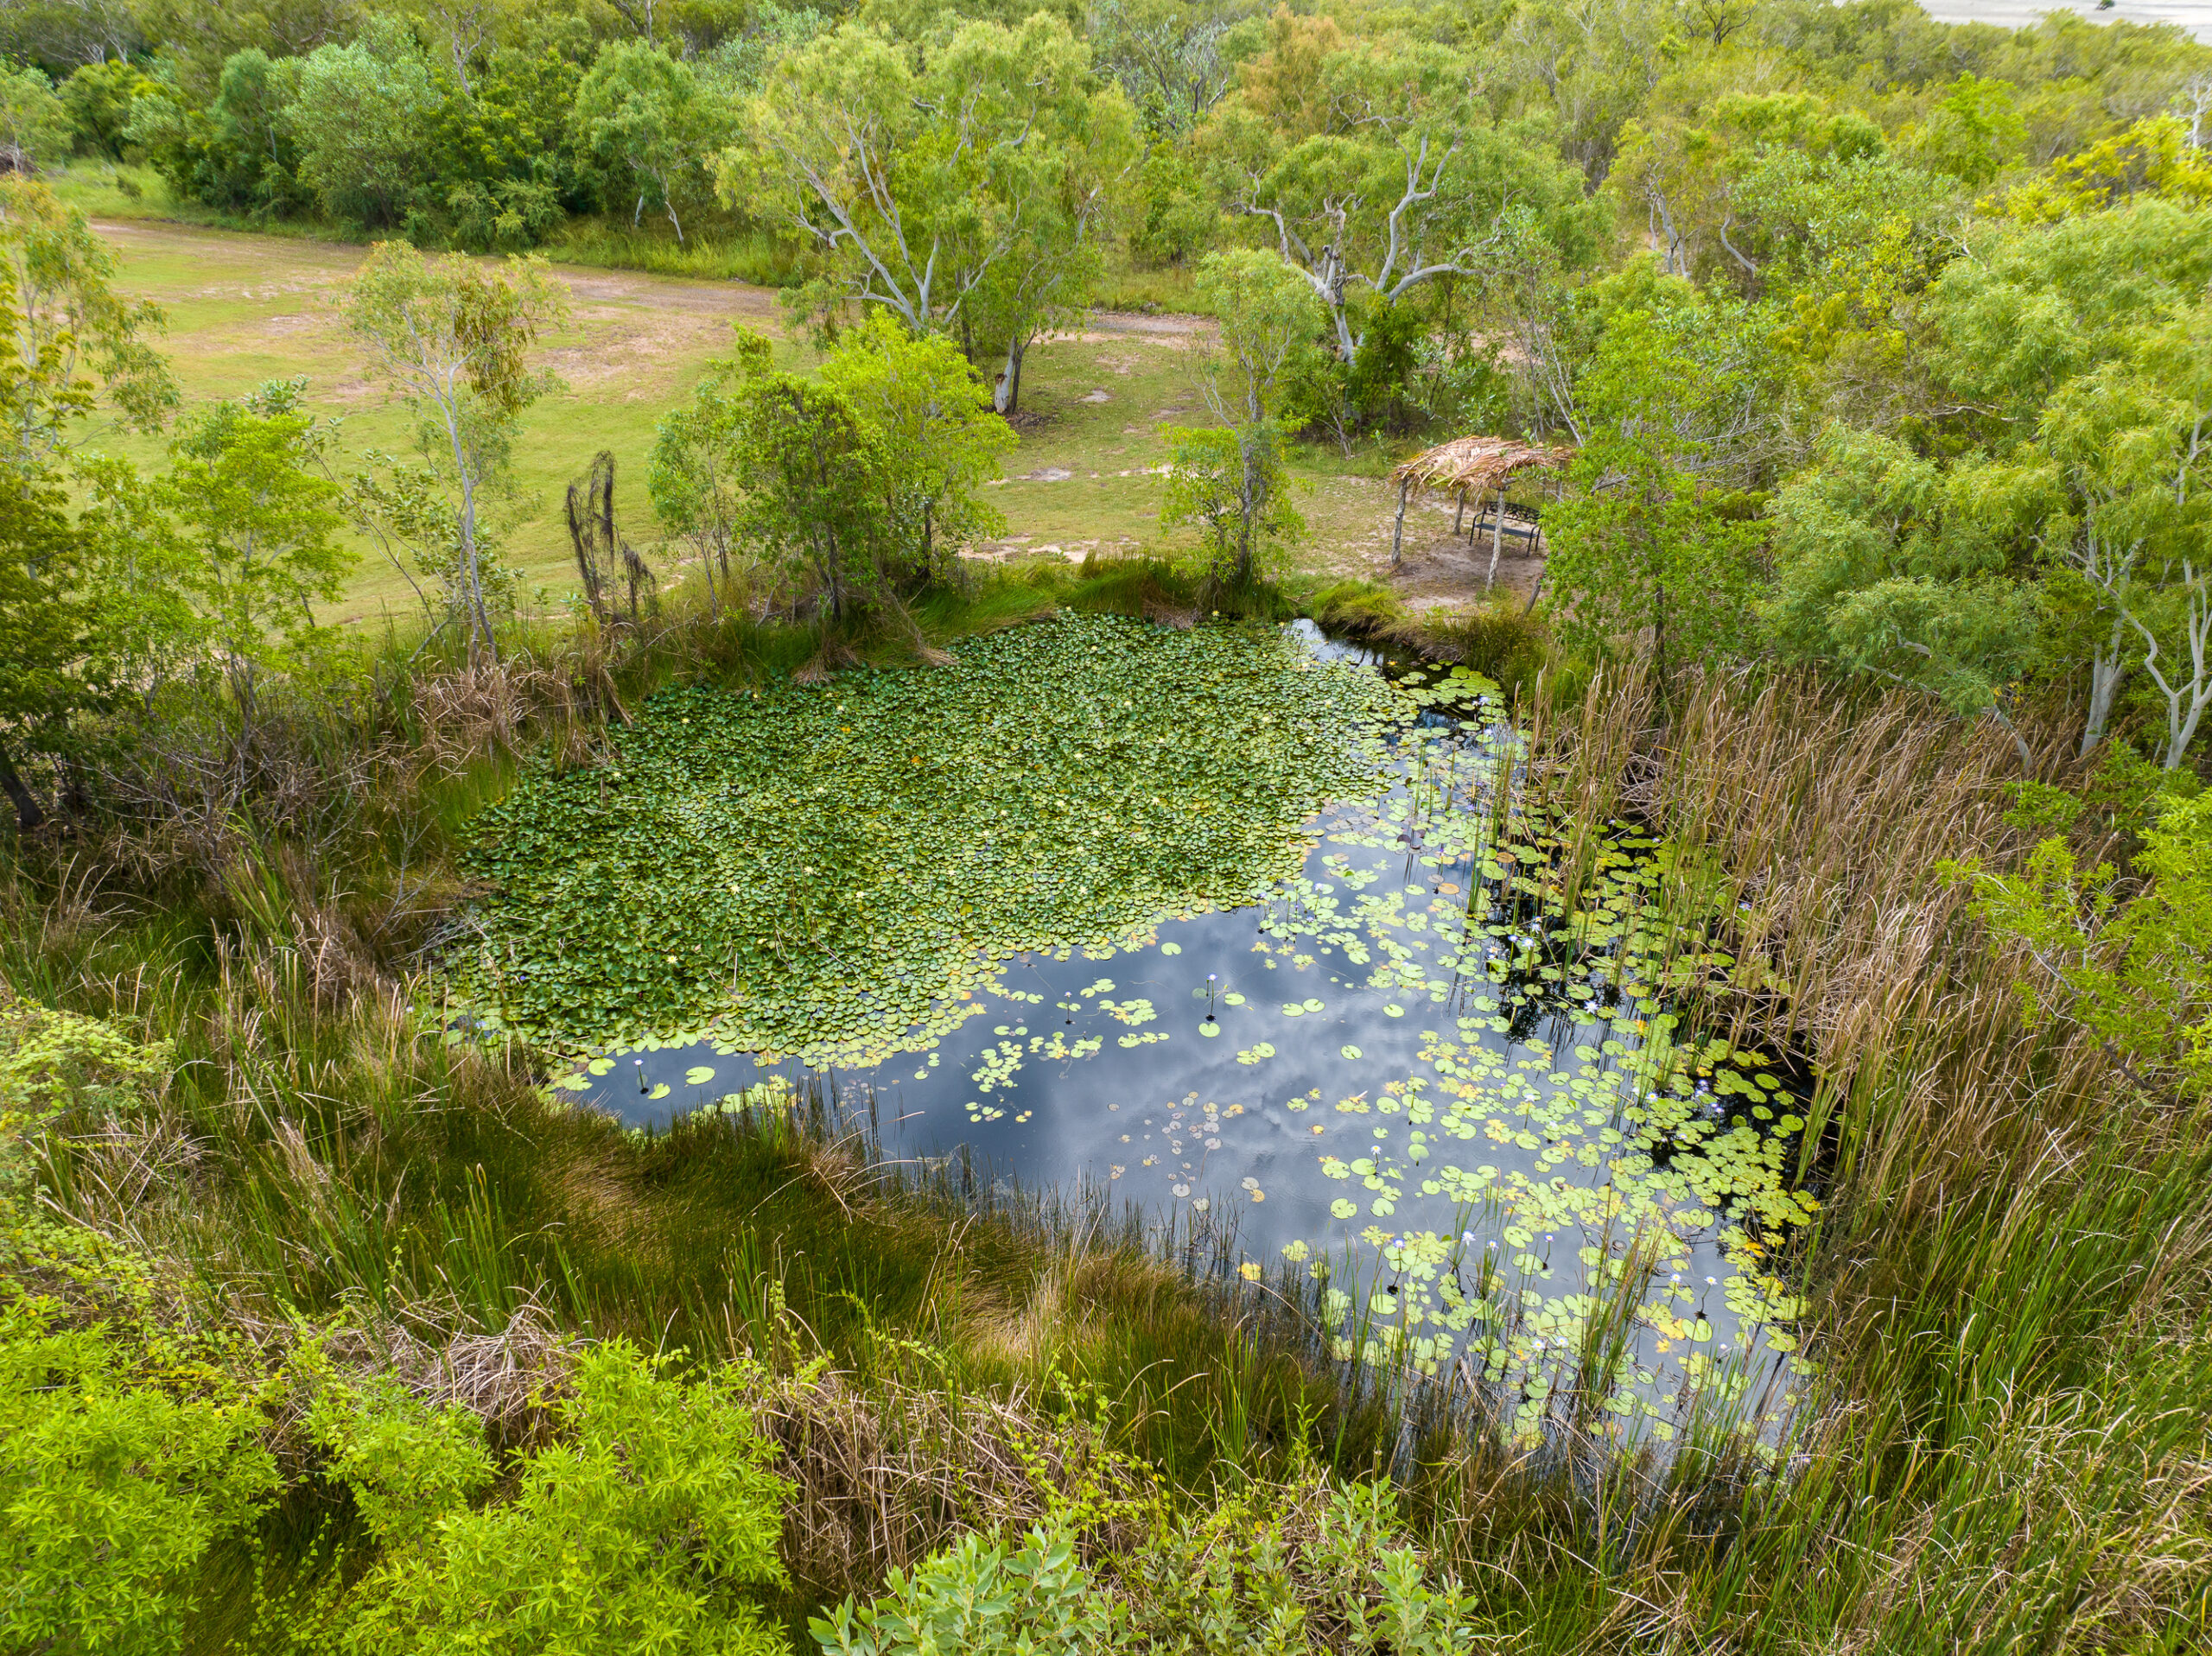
column 2005, row 1447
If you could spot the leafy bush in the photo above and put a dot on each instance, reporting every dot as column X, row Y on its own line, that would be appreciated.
column 35, row 129
column 643, row 1530
column 112, row 1491
column 977, row 1599
column 1319, row 1565
column 123, row 1457
column 2133, row 965
column 1177, row 218
column 97, row 99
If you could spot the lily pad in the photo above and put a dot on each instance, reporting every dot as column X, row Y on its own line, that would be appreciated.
column 757, row 860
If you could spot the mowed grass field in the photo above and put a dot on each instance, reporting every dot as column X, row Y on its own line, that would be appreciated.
column 1086, row 475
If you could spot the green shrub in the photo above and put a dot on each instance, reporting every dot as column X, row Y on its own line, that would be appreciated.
column 644, row 1529
column 408, row 1463
column 125, row 1454
column 112, row 1491
column 978, row 1600
column 1319, row 1565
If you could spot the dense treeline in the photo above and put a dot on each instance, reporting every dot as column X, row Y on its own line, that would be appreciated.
column 1883, row 342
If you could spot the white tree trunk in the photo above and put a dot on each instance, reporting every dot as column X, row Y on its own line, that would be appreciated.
column 2108, row 667
column 2187, row 697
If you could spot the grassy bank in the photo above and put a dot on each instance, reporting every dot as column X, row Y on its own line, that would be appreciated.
column 121, row 192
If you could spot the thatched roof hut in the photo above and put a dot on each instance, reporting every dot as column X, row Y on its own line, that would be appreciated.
column 1477, row 465
column 1470, row 466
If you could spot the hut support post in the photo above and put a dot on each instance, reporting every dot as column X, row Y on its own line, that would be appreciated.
column 1497, row 539
column 1398, row 529
column 1459, row 510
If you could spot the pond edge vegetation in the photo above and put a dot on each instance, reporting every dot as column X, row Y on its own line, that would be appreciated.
column 1954, row 1117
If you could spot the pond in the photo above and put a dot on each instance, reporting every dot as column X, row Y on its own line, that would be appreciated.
column 1235, row 922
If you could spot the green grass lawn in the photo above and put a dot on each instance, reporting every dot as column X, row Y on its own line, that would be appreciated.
column 244, row 308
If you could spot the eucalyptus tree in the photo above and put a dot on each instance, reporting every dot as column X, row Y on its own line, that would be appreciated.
column 1382, row 173
column 2047, row 508
column 2193, row 107
column 2122, row 460
column 1652, row 537
column 69, row 343
column 1230, row 478
column 1592, row 65
column 1764, row 190
column 452, row 337
column 1168, row 56
column 1044, row 278
column 646, row 118
column 2074, row 353
column 913, row 172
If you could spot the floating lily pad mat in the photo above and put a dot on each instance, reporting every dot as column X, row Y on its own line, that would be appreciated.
column 830, row 868
column 1417, row 1063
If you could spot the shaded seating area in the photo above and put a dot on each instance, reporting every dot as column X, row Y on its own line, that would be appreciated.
column 1476, row 468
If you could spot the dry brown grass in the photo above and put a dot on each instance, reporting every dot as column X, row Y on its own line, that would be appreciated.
column 508, row 1377
column 887, row 1473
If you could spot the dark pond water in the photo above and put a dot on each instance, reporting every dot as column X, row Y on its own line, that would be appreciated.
column 1490, row 1142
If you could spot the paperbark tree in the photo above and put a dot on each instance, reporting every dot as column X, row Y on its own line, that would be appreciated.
column 452, row 337
column 1405, row 182
column 914, row 172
